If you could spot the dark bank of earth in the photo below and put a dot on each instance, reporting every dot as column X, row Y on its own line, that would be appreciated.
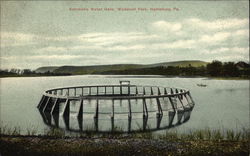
column 117, row 146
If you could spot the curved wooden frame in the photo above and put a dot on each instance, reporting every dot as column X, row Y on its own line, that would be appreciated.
column 114, row 92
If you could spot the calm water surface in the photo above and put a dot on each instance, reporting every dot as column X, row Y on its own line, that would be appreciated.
column 222, row 104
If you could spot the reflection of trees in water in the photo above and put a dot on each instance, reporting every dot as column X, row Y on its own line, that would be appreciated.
column 230, row 90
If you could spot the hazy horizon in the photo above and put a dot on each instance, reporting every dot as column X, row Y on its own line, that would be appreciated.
column 120, row 64
column 52, row 33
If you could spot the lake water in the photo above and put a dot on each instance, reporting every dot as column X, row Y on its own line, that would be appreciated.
column 222, row 104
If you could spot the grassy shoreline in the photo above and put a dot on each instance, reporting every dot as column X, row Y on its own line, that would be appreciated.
column 119, row 146
column 56, row 142
column 166, row 76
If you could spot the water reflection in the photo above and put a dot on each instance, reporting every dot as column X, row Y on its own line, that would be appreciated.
column 120, row 123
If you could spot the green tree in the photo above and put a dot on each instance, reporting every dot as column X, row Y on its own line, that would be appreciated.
column 215, row 68
column 27, row 71
column 230, row 69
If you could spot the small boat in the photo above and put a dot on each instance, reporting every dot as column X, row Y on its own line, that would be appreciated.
column 201, row 85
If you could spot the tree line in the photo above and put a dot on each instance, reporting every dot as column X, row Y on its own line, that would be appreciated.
column 214, row 69
column 27, row 72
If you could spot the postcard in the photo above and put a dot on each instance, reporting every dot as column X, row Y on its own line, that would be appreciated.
column 124, row 77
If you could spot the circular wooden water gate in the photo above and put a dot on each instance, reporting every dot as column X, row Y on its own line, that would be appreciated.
column 179, row 99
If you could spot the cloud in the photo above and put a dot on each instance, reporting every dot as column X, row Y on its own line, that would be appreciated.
column 219, row 24
column 85, row 47
column 53, row 49
column 17, row 36
column 226, row 50
column 16, row 39
column 234, row 57
column 167, row 26
column 103, row 39
column 126, row 48
column 55, row 57
column 167, row 41
column 41, row 57
column 180, row 44
column 58, row 38
column 217, row 37
column 242, row 32
column 91, row 48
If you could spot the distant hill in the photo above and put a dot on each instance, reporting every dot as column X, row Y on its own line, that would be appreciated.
column 117, row 67
column 95, row 69
column 46, row 69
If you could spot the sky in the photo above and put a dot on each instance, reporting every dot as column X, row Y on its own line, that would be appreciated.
column 56, row 33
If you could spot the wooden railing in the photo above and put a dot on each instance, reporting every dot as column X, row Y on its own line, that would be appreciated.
column 52, row 98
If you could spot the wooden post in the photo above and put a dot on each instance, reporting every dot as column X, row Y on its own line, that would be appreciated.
column 41, row 102
column 113, row 90
column 181, row 101
column 188, row 101
column 48, row 118
column 80, row 123
column 171, row 118
column 66, row 121
column 159, row 121
column 66, row 109
column 145, row 109
column 178, row 96
column 159, row 92
column 172, row 103
column 129, row 124
column 181, row 94
column 56, row 120
column 128, row 89
column 97, row 109
column 55, row 108
column 129, row 109
column 105, row 90
column 180, row 113
column 159, row 107
column 144, row 92
column 44, row 102
column 96, row 124
column 191, row 98
column 121, row 89
column 165, row 91
column 89, row 90
column 80, row 112
column 136, row 90
column 112, row 124
column 152, row 93
column 145, row 121
column 186, row 116
column 171, row 91
column 113, row 109
column 46, row 105
column 97, row 90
